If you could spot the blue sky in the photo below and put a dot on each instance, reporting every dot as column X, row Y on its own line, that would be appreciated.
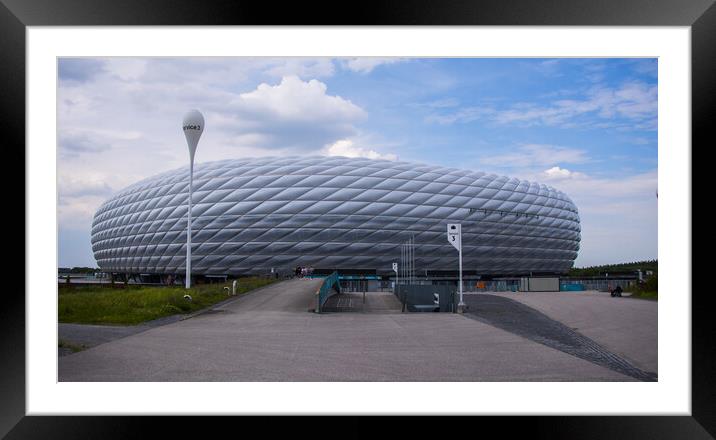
column 584, row 126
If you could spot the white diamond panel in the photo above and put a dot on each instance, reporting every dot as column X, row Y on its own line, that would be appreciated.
column 334, row 212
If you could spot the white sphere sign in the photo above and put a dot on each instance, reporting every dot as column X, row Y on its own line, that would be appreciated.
column 193, row 126
column 454, row 235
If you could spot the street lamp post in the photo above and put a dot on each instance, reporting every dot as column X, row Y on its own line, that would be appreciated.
column 193, row 126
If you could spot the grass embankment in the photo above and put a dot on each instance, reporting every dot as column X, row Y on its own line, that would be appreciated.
column 645, row 295
column 71, row 346
column 136, row 304
column 647, row 290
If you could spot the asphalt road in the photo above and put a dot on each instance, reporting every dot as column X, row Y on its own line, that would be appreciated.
column 271, row 336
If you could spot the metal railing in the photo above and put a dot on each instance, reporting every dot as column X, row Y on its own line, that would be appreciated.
column 604, row 285
column 513, row 285
column 492, row 285
column 417, row 297
column 323, row 292
column 407, row 262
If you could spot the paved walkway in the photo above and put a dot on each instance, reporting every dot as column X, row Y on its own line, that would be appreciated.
column 88, row 335
column 626, row 326
column 272, row 336
column 518, row 318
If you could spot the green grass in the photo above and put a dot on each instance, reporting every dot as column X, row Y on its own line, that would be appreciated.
column 645, row 295
column 74, row 347
column 135, row 304
column 648, row 290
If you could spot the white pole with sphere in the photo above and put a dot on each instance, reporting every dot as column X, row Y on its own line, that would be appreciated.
column 193, row 126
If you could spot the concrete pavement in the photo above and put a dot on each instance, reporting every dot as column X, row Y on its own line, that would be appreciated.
column 520, row 319
column 626, row 326
column 88, row 335
column 272, row 336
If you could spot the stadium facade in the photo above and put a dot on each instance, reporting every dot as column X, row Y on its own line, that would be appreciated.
column 350, row 214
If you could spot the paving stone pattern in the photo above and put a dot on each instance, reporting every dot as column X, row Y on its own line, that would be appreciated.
column 517, row 318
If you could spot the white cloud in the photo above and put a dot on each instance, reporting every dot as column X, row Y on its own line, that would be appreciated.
column 345, row 147
column 618, row 213
column 119, row 119
column 294, row 115
column 219, row 71
column 90, row 185
column 76, row 213
column 633, row 101
column 78, row 70
column 77, row 141
column 439, row 103
column 367, row 64
column 548, row 68
column 618, row 216
column 127, row 69
column 298, row 100
column 303, row 68
column 646, row 66
column 557, row 173
column 291, row 115
column 537, row 155
column 79, row 196
column 463, row 115
column 611, row 190
column 640, row 141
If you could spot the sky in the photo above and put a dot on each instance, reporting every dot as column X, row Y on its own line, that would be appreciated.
column 587, row 127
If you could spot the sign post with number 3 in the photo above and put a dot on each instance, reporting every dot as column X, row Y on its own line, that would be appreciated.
column 454, row 236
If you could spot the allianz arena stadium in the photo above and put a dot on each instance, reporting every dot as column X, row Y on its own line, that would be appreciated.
column 334, row 213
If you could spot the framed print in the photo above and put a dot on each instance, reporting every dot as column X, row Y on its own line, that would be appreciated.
column 649, row 50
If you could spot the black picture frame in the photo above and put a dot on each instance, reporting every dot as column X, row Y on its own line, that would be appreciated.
column 16, row 15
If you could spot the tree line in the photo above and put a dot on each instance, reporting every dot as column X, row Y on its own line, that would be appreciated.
column 651, row 265
column 78, row 269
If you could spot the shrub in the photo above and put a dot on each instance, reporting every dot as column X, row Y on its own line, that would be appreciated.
column 651, row 284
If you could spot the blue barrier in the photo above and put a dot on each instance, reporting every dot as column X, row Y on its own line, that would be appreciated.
column 359, row 277
column 571, row 287
column 323, row 292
